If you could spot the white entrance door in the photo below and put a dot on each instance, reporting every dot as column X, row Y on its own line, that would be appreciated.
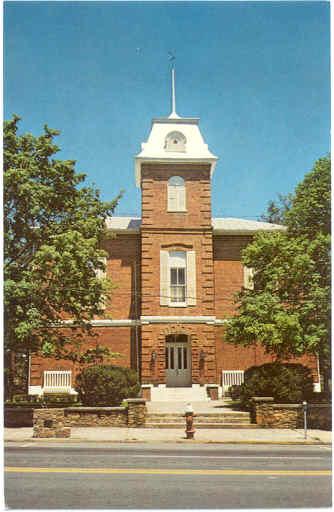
column 178, row 364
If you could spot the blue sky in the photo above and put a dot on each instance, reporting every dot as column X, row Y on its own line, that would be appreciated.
column 256, row 73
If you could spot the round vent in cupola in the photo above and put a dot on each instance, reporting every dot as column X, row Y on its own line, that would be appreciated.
column 175, row 141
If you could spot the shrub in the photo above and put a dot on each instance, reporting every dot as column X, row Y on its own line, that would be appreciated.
column 47, row 400
column 235, row 391
column 318, row 398
column 106, row 385
column 59, row 400
column 285, row 382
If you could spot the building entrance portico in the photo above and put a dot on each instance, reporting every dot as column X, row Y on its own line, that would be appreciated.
column 178, row 361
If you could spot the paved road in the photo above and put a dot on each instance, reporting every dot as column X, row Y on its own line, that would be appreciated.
column 174, row 476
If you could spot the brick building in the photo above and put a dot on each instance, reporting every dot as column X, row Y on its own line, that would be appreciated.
column 176, row 271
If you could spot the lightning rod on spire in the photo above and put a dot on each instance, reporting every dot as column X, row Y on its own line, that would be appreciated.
column 172, row 59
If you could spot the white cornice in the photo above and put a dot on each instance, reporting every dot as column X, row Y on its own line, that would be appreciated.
column 178, row 319
column 148, row 320
column 158, row 160
column 104, row 323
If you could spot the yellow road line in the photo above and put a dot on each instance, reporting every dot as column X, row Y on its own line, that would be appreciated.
column 143, row 471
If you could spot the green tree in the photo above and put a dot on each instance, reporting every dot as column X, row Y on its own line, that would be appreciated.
column 276, row 210
column 288, row 311
column 54, row 225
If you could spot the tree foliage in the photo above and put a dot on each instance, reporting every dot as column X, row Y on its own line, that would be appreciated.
column 54, row 225
column 276, row 210
column 288, row 311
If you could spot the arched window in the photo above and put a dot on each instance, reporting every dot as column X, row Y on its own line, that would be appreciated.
column 175, row 141
column 176, row 192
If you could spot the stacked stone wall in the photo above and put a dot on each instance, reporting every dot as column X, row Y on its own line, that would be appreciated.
column 50, row 423
column 58, row 422
column 96, row 417
column 268, row 414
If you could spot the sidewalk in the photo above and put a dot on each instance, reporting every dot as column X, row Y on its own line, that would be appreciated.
column 151, row 435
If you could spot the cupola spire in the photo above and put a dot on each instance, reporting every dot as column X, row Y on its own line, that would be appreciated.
column 173, row 114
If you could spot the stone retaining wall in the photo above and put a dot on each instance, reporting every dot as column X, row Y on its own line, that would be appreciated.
column 96, row 417
column 50, row 423
column 58, row 422
column 268, row 414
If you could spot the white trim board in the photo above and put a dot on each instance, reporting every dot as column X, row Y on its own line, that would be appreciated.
column 149, row 320
column 180, row 319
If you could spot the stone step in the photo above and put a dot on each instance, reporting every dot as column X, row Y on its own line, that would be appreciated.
column 200, row 423
column 199, row 417
column 203, row 425
column 232, row 414
column 179, row 419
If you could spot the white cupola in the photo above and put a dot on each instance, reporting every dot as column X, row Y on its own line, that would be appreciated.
column 174, row 139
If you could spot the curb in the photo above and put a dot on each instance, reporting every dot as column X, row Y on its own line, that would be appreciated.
column 162, row 441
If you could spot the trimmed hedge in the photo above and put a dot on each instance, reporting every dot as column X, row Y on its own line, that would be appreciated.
column 106, row 385
column 285, row 382
column 47, row 400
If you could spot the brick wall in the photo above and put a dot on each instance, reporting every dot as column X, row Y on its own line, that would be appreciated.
column 123, row 268
column 228, row 271
column 117, row 339
column 154, row 196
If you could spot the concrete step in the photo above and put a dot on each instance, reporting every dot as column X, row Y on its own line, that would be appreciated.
column 195, row 393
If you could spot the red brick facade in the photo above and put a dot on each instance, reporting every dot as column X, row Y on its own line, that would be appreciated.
column 136, row 322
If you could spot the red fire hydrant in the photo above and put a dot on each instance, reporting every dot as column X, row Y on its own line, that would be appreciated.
column 189, row 414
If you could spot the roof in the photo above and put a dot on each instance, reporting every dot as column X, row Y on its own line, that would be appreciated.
column 129, row 224
column 231, row 225
column 154, row 150
column 223, row 225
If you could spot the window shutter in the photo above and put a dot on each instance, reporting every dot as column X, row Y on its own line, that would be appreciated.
column 102, row 274
column 181, row 206
column 172, row 198
column 248, row 278
column 164, row 278
column 191, row 278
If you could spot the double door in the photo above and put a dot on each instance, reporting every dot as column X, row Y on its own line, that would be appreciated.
column 178, row 364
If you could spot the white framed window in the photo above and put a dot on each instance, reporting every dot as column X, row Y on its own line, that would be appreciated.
column 176, row 194
column 177, row 278
column 248, row 278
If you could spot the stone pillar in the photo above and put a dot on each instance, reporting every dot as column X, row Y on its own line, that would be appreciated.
column 146, row 392
column 262, row 410
column 50, row 423
column 136, row 412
